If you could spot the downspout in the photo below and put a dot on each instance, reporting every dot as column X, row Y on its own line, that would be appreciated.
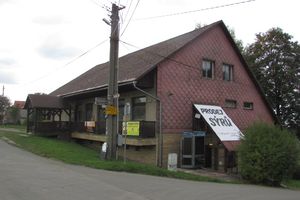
column 159, row 142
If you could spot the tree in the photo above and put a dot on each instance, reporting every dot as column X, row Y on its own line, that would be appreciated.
column 275, row 61
column 4, row 104
column 14, row 114
column 268, row 154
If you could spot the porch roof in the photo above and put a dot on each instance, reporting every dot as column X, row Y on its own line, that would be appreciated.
column 43, row 101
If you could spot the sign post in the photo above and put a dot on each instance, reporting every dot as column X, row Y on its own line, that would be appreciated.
column 124, row 127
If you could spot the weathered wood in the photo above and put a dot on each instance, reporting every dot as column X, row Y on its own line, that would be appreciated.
column 102, row 138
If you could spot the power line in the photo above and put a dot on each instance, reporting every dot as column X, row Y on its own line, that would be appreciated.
column 128, row 10
column 68, row 63
column 162, row 56
column 192, row 11
column 130, row 17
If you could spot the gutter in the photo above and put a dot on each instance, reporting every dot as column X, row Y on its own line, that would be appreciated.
column 159, row 138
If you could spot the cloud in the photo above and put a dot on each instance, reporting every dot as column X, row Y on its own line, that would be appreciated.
column 7, row 78
column 49, row 20
column 7, row 61
column 5, row 1
column 54, row 48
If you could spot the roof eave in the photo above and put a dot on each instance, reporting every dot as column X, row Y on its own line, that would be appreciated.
column 94, row 89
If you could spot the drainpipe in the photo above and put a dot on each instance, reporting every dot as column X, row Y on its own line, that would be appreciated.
column 159, row 141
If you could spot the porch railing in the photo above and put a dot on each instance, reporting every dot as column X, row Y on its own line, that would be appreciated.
column 146, row 130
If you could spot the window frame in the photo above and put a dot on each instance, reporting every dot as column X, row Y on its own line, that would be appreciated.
column 205, row 72
column 230, row 101
column 89, row 113
column 250, row 107
column 134, row 104
column 230, row 72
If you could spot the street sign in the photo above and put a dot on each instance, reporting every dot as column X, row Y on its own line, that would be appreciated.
column 111, row 110
column 100, row 101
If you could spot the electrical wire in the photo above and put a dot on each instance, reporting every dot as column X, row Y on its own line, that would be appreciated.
column 162, row 56
column 68, row 63
column 192, row 11
column 130, row 17
column 128, row 9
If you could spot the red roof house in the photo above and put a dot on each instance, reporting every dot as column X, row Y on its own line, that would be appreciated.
column 194, row 75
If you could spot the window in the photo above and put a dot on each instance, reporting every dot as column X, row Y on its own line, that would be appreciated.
column 227, row 72
column 248, row 105
column 88, row 112
column 78, row 113
column 208, row 68
column 121, row 109
column 230, row 103
column 100, row 113
column 139, row 108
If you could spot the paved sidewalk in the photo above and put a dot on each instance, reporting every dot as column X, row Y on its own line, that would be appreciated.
column 211, row 173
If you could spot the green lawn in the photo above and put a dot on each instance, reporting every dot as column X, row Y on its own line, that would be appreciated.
column 76, row 154
column 18, row 127
column 73, row 153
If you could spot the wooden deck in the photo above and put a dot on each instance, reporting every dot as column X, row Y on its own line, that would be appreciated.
column 133, row 141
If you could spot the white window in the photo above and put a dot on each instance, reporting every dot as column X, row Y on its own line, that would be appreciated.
column 208, row 68
column 227, row 72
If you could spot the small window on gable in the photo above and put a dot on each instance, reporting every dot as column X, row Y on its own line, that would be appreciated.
column 227, row 72
column 248, row 105
column 230, row 103
column 208, row 68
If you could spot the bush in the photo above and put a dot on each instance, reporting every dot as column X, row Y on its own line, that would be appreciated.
column 268, row 154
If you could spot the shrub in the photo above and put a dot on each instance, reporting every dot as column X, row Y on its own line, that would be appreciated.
column 268, row 154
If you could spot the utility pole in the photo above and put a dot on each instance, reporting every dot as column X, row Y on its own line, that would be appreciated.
column 112, row 94
column 3, row 88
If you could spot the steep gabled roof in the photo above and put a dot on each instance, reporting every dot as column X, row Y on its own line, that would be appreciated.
column 131, row 66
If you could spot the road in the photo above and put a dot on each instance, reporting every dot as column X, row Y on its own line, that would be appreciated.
column 25, row 176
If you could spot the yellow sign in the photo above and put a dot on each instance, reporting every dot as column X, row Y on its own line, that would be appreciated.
column 111, row 110
column 133, row 128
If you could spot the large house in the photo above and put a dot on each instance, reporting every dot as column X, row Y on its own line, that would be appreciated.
column 207, row 93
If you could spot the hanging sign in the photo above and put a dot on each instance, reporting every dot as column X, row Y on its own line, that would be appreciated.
column 221, row 124
column 111, row 110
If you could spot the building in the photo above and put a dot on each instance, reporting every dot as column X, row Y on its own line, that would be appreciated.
column 202, row 69
column 16, row 114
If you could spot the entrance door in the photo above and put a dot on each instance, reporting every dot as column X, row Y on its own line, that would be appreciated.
column 208, row 156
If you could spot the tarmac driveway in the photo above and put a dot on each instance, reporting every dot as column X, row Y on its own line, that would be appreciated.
column 26, row 176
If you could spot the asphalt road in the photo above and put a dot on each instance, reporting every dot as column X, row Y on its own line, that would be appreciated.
column 24, row 176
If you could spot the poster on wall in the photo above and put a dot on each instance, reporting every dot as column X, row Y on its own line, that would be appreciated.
column 221, row 124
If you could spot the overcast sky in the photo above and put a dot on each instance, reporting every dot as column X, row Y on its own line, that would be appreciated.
column 38, row 38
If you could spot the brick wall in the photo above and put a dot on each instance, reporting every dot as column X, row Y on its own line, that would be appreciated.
column 180, row 86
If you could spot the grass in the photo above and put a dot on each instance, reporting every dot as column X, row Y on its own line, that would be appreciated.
column 293, row 184
column 18, row 127
column 76, row 154
column 73, row 153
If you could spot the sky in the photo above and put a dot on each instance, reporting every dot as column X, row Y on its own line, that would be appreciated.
column 42, row 42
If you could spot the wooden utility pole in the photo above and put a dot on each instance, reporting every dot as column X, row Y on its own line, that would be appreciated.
column 112, row 94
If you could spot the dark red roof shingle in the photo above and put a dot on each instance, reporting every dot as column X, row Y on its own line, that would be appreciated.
column 131, row 66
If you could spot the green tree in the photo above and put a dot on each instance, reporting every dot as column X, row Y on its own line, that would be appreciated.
column 4, row 104
column 268, row 154
column 275, row 60
column 14, row 114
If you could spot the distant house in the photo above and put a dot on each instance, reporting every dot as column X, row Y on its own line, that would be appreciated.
column 207, row 92
column 16, row 114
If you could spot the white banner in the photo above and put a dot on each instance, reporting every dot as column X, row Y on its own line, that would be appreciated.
column 221, row 124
